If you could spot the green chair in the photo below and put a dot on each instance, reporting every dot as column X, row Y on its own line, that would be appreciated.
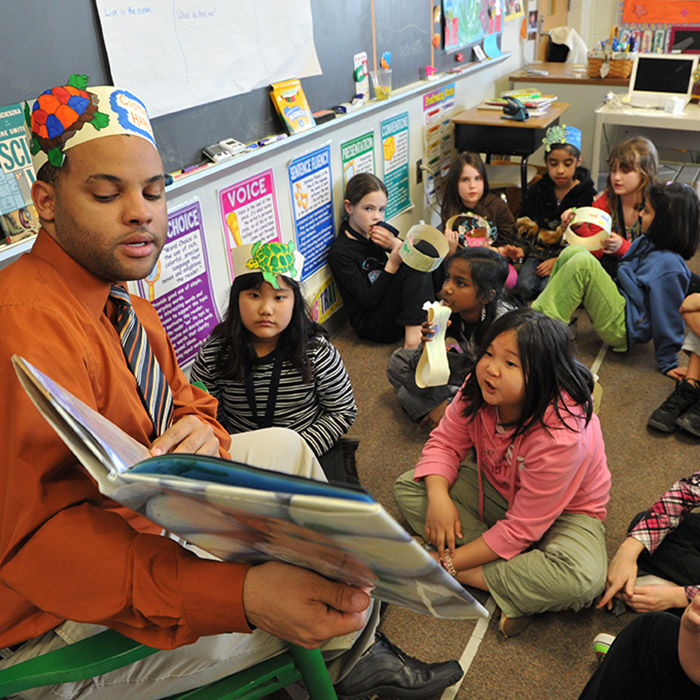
column 110, row 650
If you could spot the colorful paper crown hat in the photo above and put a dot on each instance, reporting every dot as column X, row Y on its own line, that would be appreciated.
column 68, row 115
column 562, row 134
column 271, row 259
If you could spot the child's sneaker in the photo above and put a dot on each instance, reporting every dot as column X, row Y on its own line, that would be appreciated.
column 665, row 418
column 601, row 645
column 690, row 420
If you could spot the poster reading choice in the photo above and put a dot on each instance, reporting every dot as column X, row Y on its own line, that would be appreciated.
column 394, row 133
column 357, row 156
column 249, row 212
column 179, row 287
column 312, row 203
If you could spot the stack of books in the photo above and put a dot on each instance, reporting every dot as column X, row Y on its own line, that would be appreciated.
column 537, row 104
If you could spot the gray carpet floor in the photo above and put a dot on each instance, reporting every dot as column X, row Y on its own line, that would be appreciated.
column 553, row 657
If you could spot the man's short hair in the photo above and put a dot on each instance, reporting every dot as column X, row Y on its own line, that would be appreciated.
column 50, row 173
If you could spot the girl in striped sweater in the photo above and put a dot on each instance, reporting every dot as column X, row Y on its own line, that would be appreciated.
column 269, row 364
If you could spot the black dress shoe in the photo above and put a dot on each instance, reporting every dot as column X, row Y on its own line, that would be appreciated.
column 386, row 671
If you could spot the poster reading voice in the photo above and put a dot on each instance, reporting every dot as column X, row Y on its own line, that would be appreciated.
column 249, row 212
column 312, row 203
column 179, row 287
column 394, row 133
column 357, row 156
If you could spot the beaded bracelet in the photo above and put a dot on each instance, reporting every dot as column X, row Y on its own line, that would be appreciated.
column 447, row 564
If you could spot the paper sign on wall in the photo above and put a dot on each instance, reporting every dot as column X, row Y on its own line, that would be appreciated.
column 249, row 212
column 394, row 134
column 310, row 186
column 357, row 156
column 179, row 286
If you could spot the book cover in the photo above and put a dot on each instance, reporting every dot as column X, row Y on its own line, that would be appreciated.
column 291, row 104
column 19, row 224
column 16, row 172
column 240, row 513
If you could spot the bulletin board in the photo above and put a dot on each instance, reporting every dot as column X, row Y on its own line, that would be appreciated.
column 666, row 12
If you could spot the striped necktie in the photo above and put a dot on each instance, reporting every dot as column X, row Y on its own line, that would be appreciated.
column 155, row 392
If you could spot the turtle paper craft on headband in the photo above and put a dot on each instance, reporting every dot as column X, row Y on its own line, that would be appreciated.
column 271, row 259
column 561, row 134
column 71, row 114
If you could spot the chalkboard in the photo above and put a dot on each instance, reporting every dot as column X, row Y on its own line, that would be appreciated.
column 44, row 42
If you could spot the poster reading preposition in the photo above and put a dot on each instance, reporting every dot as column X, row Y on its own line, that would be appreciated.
column 179, row 287
column 357, row 156
column 249, row 212
column 394, row 133
column 310, row 183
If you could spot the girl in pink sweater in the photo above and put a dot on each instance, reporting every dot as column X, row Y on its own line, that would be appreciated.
column 526, row 521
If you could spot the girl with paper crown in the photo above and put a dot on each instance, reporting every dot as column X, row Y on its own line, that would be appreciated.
column 565, row 185
column 642, row 303
column 269, row 364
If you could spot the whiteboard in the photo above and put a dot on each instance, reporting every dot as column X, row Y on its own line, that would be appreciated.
column 184, row 53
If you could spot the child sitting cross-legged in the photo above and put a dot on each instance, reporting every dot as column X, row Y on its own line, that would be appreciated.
column 652, row 278
column 565, row 185
column 269, row 364
column 472, row 289
column 526, row 521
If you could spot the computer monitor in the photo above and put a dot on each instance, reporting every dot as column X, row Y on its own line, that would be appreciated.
column 657, row 76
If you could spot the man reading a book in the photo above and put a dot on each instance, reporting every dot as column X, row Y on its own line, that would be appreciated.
column 71, row 560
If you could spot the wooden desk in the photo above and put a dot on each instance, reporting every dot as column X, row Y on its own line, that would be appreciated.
column 564, row 73
column 483, row 131
column 664, row 129
column 582, row 93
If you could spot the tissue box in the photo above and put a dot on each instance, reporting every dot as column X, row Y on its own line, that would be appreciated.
column 674, row 104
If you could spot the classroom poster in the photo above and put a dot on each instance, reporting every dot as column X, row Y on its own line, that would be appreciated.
column 16, row 172
column 463, row 22
column 179, row 287
column 177, row 54
column 311, row 186
column 357, row 156
column 249, row 212
column 325, row 302
column 438, row 144
column 394, row 135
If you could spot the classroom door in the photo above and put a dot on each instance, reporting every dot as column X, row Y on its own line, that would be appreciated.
column 552, row 13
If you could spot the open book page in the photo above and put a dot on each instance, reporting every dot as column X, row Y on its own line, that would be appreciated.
column 102, row 448
column 240, row 513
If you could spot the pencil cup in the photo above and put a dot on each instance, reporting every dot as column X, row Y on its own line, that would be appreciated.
column 381, row 81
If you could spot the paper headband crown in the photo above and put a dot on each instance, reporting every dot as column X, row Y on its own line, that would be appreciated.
column 562, row 134
column 270, row 259
column 68, row 115
column 593, row 221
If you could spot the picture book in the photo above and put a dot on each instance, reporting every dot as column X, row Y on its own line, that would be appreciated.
column 16, row 172
column 19, row 224
column 240, row 513
column 290, row 102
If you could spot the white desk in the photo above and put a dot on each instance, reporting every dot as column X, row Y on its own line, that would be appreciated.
column 672, row 130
